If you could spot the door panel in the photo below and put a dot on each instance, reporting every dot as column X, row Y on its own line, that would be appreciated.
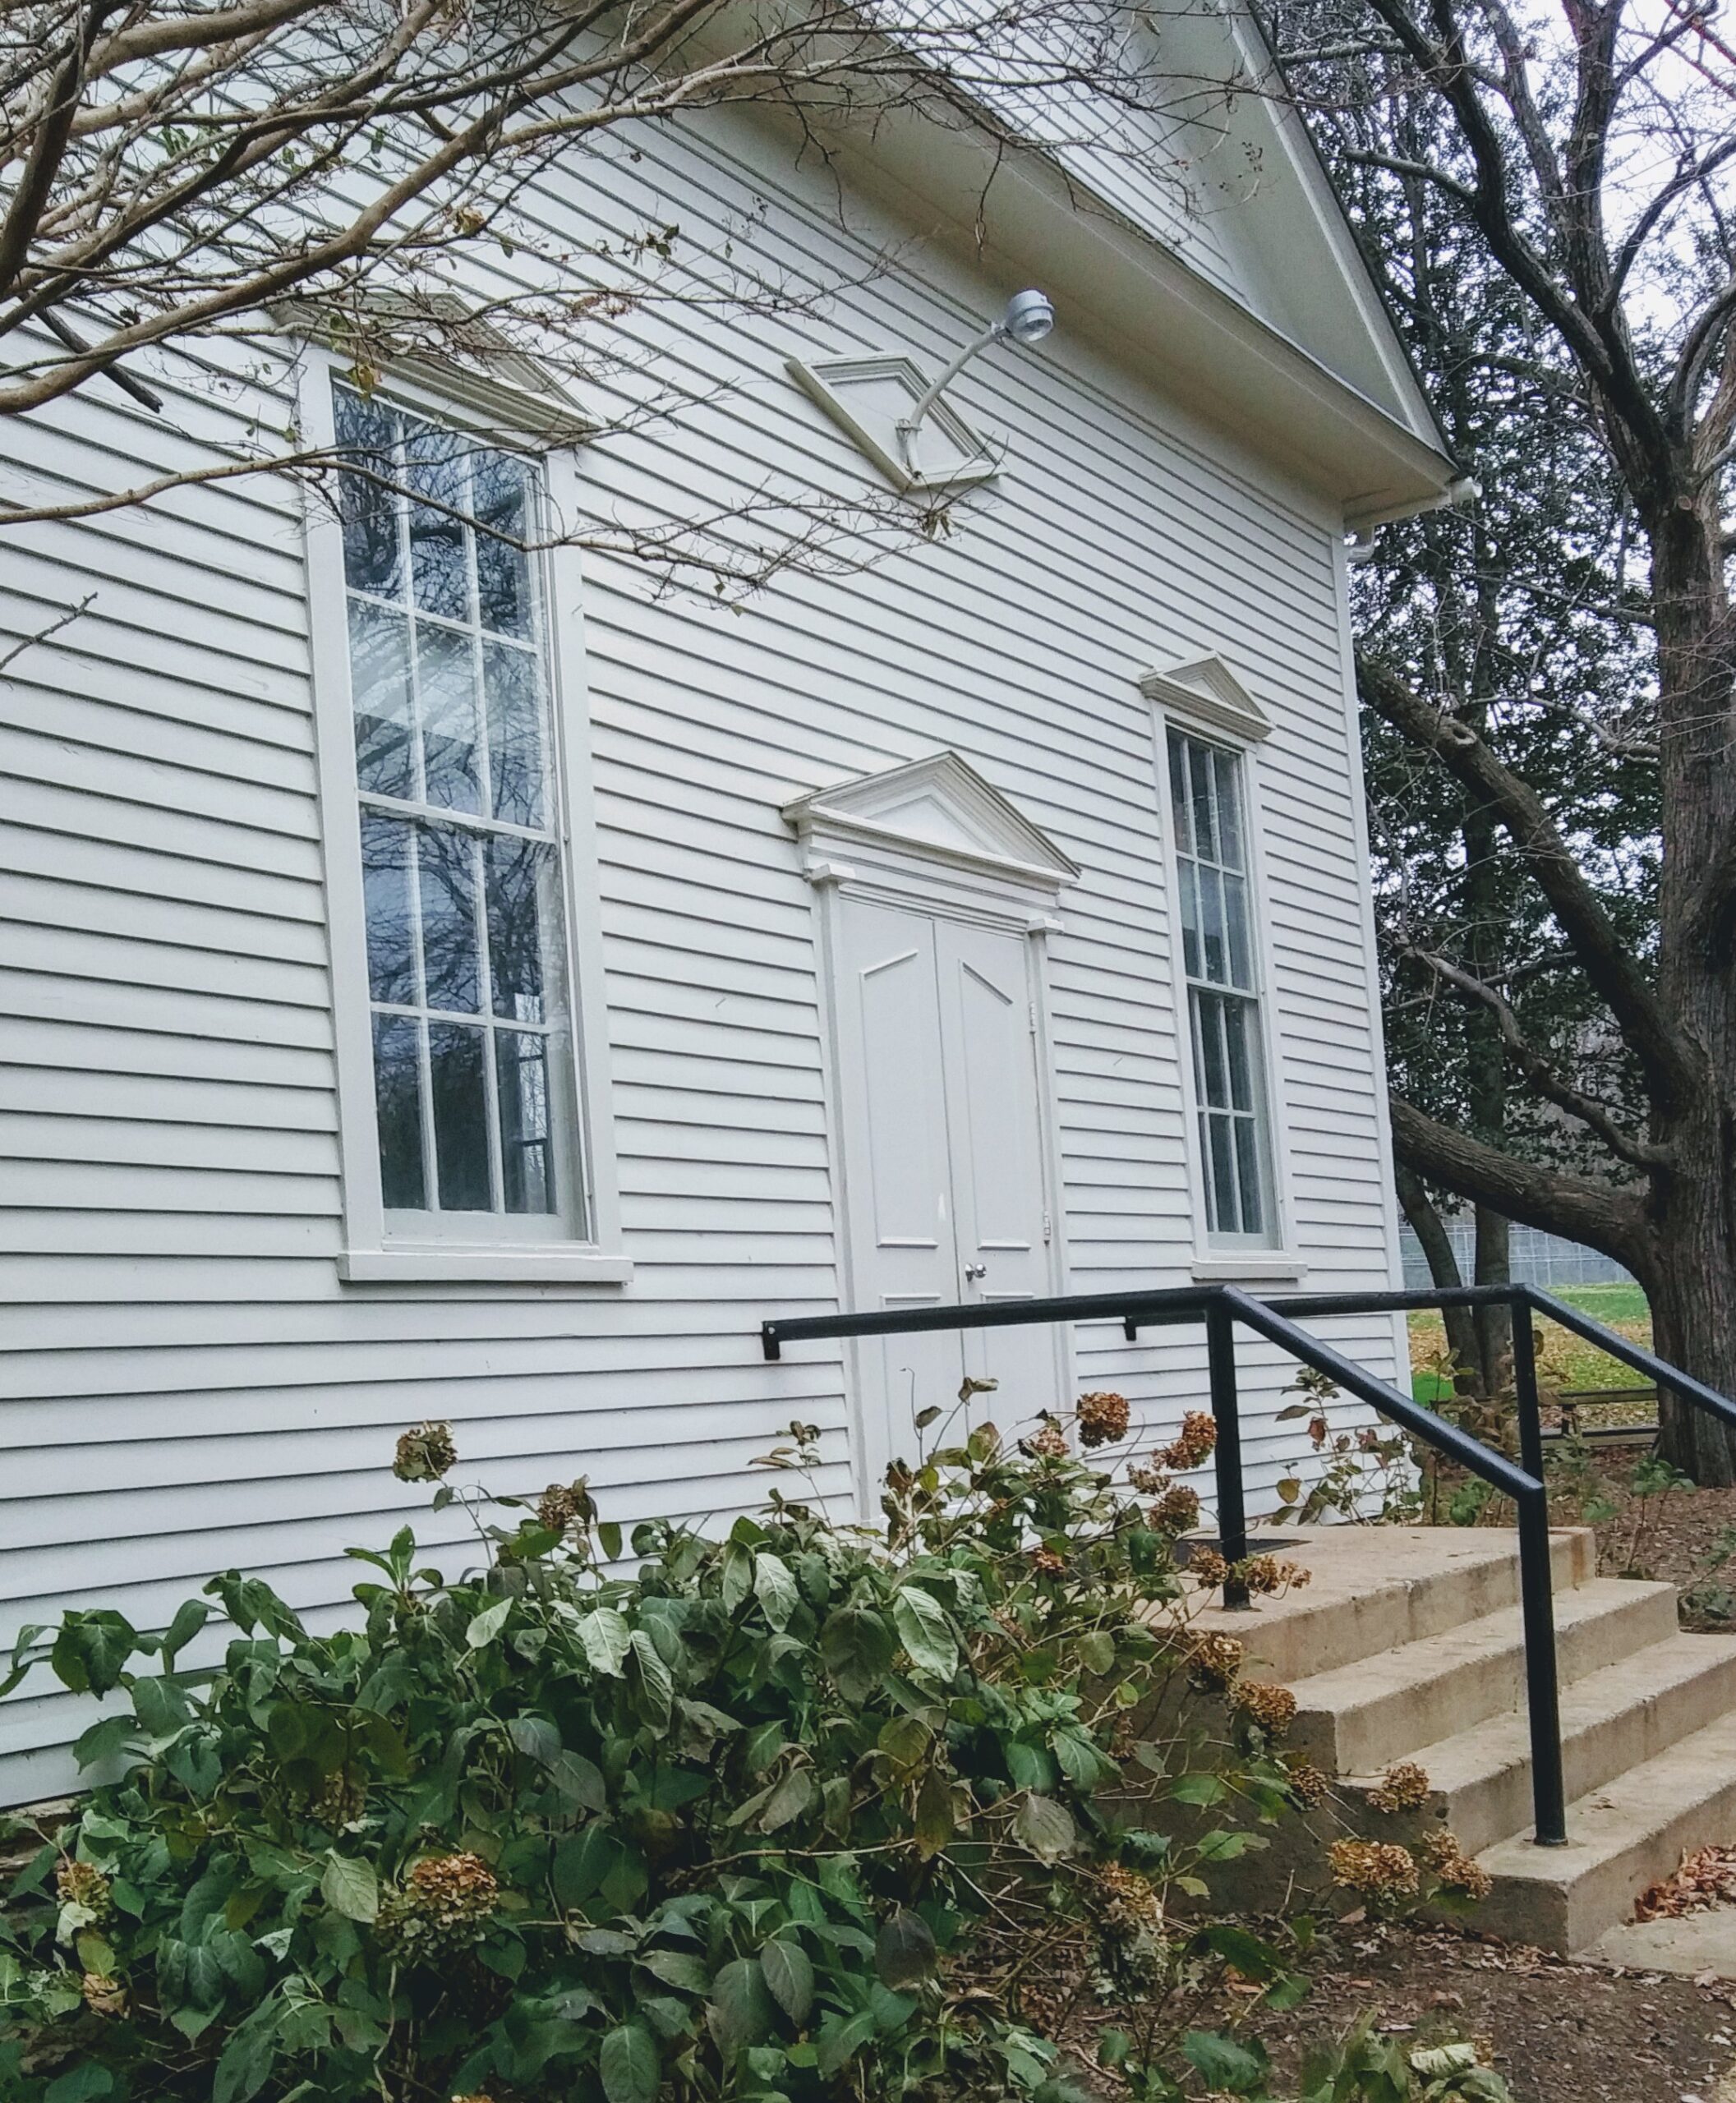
column 995, row 1116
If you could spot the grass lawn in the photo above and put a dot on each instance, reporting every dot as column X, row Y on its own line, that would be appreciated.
column 1564, row 1360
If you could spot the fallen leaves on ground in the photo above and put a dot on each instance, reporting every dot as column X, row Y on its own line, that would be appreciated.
column 1707, row 1877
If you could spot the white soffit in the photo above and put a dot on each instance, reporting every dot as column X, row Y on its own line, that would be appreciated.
column 939, row 808
column 865, row 396
column 1204, row 690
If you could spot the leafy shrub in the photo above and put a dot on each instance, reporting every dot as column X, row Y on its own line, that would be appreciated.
column 811, row 1811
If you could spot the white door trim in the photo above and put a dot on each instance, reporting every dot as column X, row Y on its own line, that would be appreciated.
column 1012, row 893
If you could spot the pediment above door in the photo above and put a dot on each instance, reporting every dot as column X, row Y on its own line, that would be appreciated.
column 940, row 810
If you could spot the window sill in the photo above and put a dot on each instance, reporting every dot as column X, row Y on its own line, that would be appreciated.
column 504, row 1266
column 1248, row 1266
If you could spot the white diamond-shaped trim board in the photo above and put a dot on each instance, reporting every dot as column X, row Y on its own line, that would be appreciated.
column 1205, row 691
column 865, row 396
column 941, row 807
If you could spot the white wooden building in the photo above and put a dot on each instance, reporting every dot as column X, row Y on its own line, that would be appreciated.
column 441, row 983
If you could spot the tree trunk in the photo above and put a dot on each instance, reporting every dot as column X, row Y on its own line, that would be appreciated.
column 1494, row 1324
column 1420, row 1210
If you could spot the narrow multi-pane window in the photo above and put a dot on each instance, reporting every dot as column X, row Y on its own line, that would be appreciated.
column 461, row 852
column 1208, row 815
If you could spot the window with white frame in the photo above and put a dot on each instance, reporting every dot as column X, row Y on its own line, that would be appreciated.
column 1209, row 811
column 462, row 855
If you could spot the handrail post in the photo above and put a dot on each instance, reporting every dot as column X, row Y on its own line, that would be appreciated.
column 1525, row 1387
column 1549, row 1791
column 1232, row 1516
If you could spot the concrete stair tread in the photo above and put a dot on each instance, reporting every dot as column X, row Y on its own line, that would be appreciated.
column 1623, row 1836
column 1491, row 1635
column 1494, row 1744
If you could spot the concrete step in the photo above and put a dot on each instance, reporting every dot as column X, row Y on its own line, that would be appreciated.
column 1613, row 1720
column 1363, row 1716
column 1621, row 1837
column 1375, row 1588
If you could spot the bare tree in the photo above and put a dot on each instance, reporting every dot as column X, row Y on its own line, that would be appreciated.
column 180, row 176
column 1591, row 150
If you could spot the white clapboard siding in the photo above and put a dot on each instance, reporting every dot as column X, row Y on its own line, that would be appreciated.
column 185, row 1385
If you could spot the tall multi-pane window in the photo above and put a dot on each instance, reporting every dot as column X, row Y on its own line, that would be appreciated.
column 460, row 841
column 1209, row 814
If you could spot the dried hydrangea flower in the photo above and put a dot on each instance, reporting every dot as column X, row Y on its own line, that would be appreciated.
column 1147, row 1478
column 1047, row 1442
column 562, row 1505
column 1047, row 1563
column 1375, row 1868
column 1103, row 1417
column 1405, row 1786
column 1263, row 1702
column 83, row 1884
column 424, row 1452
column 1176, row 1510
column 1207, row 1568
column 1308, row 1785
column 1213, row 1662
column 103, row 1994
column 1452, row 1869
column 443, row 1905
column 1127, row 1900
column 1192, row 1446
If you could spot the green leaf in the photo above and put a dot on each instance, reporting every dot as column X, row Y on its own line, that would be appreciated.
column 246, row 2064
column 350, row 1887
column 793, row 1796
column 1226, row 2063
column 1255, row 1960
column 934, row 1822
column 856, row 1647
column 735, row 1576
column 905, row 1951
column 536, row 1738
column 488, row 1624
column 678, row 1968
column 925, row 1631
column 776, row 1589
column 790, row 1975
column 605, row 1637
column 80, row 2085
column 1046, row 1827
column 650, row 1681
column 579, row 1780
column 91, row 1650
column 740, row 2011
column 1198, row 1789
column 190, row 1617
column 1097, row 1650
column 628, row 2064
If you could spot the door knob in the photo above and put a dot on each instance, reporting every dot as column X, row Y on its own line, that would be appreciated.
column 976, row 1270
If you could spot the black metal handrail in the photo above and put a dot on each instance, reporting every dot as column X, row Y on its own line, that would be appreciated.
column 1221, row 1307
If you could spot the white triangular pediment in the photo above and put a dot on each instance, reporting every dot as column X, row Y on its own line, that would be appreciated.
column 1204, row 690
column 940, row 807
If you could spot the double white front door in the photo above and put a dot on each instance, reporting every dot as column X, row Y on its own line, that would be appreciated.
column 943, row 1130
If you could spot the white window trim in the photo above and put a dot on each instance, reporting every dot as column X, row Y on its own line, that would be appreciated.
column 1217, row 719
column 372, row 1254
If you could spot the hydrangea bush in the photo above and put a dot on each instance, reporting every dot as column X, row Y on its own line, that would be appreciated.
column 811, row 1810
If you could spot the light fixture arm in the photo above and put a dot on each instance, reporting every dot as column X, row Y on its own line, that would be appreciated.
column 909, row 425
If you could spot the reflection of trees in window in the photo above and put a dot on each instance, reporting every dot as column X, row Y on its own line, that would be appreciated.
column 461, row 869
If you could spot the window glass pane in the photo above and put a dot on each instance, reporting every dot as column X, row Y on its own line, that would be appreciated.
column 1187, row 876
column 521, row 1062
column 458, row 1071
column 1235, row 914
column 1248, row 1175
column 380, row 684
column 515, row 749
column 1238, row 1053
column 373, row 559
column 387, row 863
column 440, row 561
column 503, row 573
column 1223, row 1215
column 1178, row 796
column 1213, row 946
column 448, row 903
column 519, row 877
column 1199, row 797
column 1229, row 809
column 1209, row 1022
column 445, row 666
column 397, row 1100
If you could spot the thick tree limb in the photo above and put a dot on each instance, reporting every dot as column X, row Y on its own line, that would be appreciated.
column 1671, row 1070
column 1599, row 1214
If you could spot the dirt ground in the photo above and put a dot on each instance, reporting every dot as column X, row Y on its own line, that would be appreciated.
column 1559, row 2032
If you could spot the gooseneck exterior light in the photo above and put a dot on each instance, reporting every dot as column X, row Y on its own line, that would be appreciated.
column 1028, row 318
